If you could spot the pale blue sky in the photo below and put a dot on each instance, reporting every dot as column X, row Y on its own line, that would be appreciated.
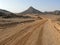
column 21, row 5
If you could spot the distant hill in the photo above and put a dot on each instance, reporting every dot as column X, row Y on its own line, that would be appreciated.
column 6, row 14
column 31, row 10
column 56, row 12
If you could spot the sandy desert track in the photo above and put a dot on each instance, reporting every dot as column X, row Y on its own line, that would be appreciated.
column 40, row 32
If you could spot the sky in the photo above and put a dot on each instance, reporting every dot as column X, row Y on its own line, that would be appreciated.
column 17, row 6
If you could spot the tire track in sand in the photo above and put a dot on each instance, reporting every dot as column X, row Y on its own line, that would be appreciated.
column 22, row 32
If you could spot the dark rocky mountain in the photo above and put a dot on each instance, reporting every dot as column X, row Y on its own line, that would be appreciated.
column 31, row 10
column 6, row 14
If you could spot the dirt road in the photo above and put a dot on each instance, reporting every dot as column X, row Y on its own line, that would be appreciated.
column 40, row 32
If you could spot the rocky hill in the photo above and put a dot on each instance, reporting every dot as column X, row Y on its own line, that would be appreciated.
column 31, row 10
column 6, row 14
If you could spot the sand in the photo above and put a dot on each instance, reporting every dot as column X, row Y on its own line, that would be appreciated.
column 39, row 32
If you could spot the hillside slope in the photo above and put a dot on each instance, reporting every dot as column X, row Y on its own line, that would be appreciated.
column 6, row 14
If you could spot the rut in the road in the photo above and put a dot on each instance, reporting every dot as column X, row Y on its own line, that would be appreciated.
column 38, row 33
column 50, row 35
column 18, row 36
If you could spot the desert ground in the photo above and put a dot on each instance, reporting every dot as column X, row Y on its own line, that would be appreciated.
column 32, row 31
